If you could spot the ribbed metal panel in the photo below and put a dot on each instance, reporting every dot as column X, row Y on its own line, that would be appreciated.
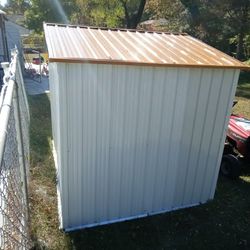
column 72, row 43
column 133, row 141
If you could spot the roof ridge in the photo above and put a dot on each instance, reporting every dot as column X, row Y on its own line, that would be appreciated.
column 113, row 29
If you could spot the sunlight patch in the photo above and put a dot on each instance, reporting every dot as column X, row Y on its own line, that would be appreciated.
column 245, row 178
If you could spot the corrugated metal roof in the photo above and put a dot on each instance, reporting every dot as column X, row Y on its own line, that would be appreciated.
column 69, row 43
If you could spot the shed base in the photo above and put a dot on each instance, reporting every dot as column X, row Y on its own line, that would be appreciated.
column 126, row 218
column 70, row 229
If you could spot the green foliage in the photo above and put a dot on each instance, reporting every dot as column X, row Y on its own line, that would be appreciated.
column 16, row 6
column 109, row 13
column 106, row 13
column 217, row 21
column 39, row 12
column 35, row 41
column 247, row 46
column 224, row 24
column 48, row 11
column 173, row 12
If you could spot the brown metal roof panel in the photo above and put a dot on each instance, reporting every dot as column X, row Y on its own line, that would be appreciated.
column 189, row 53
column 155, row 47
column 213, row 53
column 135, row 48
column 97, row 45
column 107, row 45
column 168, row 52
column 146, row 48
column 59, row 47
column 50, row 40
column 125, row 51
column 87, row 44
column 177, row 50
column 114, row 49
column 70, row 38
column 77, row 45
column 195, row 52
column 137, row 55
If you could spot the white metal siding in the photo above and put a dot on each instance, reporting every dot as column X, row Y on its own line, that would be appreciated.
column 136, row 140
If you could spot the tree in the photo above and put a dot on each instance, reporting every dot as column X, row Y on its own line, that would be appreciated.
column 173, row 12
column 109, row 13
column 237, row 15
column 220, row 21
column 16, row 6
column 104, row 13
column 39, row 12
column 48, row 11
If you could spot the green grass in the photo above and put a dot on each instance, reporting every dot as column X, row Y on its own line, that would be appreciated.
column 243, row 90
column 243, row 95
column 42, row 185
column 223, row 223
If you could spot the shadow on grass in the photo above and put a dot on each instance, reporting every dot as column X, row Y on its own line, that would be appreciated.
column 42, row 184
column 243, row 89
column 221, row 223
column 40, row 130
column 244, row 77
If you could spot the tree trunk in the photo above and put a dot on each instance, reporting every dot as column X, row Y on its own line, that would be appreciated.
column 193, row 8
column 132, row 20
column 242, row 30
column 239, row 51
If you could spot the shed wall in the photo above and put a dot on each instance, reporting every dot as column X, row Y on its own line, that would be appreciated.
column 133, row 140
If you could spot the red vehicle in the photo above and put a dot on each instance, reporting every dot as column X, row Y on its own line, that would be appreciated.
column 237, row 145
column 37, row 61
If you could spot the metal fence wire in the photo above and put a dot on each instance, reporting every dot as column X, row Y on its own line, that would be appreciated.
column 14, row 159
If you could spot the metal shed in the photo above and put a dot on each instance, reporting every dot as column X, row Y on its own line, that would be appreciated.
column 139, row 121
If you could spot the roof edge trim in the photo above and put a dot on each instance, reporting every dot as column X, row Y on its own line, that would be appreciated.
column 119, row 62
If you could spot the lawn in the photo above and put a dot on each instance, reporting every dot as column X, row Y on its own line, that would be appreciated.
column 223, row 223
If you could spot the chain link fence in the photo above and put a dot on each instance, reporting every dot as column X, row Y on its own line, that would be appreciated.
column 14, row 159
